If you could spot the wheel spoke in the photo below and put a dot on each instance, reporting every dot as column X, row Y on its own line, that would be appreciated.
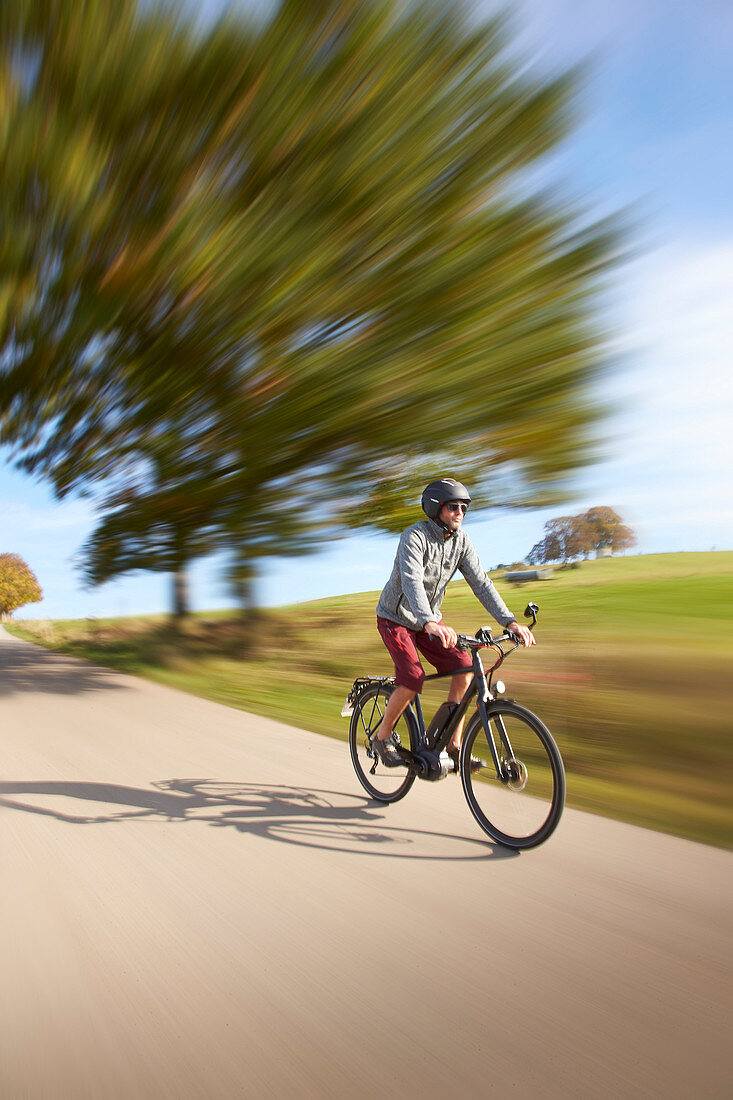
column 383, row 783
column 523, row 808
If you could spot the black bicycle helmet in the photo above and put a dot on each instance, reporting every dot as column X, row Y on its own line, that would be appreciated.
column 438, row 493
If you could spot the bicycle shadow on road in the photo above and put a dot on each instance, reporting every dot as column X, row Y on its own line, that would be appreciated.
column 330, row 820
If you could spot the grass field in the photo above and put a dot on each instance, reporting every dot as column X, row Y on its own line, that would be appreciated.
column 632, row 674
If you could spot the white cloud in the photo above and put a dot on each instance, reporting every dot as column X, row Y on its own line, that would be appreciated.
column 670, row 470
column 682, row 322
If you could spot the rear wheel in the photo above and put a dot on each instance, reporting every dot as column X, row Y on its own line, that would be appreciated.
column 521, row 808
column 383, row 783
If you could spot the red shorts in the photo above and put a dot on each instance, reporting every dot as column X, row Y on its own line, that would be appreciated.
column 403, row 645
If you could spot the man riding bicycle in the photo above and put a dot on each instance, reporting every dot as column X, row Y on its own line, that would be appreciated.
column 408, row 612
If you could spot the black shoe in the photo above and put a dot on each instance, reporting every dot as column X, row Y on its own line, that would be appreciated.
column 455, row 755
column 386, row 752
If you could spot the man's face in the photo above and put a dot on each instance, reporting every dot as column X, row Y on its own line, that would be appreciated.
column 452, row 514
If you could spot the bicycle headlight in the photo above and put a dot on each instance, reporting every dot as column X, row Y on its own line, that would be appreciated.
column 499, row 687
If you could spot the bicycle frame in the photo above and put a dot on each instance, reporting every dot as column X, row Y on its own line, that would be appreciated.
column 479, row 686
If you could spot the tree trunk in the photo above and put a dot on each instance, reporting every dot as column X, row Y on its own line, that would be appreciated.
column 244, row 585
column 180, row 594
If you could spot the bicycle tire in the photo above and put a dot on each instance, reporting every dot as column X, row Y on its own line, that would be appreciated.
column 386, row 784
column 524, row 810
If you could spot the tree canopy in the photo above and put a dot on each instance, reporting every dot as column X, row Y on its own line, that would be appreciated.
column 260, row 280
column 570, row 537
column 18, row 585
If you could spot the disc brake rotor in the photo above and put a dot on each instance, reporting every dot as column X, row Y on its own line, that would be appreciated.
column 516, row 775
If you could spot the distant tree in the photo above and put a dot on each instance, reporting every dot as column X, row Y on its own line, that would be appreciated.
column 609, row 530
column 547, row 549
column 18, row 585
column 568, row 538
column 283, row 262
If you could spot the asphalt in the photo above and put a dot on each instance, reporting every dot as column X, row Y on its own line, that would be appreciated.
column 201, row 903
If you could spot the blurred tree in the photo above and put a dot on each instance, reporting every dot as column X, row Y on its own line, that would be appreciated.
column 298, row 265
column 566, row 538
column 547, row 549
column 609, row 530
column 164, row 528
column 18, row 585
column 570, row 537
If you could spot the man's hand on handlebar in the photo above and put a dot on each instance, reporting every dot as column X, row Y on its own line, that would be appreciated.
column 445, row 634
column 448, row 637
column 524, row 634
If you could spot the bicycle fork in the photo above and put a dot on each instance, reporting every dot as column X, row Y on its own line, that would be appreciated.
column 502, row 773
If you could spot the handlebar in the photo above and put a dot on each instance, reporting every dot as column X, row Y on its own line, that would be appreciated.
column 484, row 636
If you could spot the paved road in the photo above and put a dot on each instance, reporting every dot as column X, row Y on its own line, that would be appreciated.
column 199, row 903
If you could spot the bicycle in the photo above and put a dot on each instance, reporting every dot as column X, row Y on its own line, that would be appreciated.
column 518, row 793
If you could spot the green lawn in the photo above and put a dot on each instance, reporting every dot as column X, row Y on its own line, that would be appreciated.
column 632, row 673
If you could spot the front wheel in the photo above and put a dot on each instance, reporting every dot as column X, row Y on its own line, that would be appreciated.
column 384, row 784
column 522, row 806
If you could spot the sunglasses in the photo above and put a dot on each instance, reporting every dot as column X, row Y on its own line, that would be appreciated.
column 457, row 506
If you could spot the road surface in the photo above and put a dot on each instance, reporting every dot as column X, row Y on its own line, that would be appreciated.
column 199, row 903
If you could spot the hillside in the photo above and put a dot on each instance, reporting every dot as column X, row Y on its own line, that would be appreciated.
column 631, row 673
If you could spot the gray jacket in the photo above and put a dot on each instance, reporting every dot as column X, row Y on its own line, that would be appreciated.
column 424, row 564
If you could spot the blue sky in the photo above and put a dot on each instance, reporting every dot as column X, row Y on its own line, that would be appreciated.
column 656, row 134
